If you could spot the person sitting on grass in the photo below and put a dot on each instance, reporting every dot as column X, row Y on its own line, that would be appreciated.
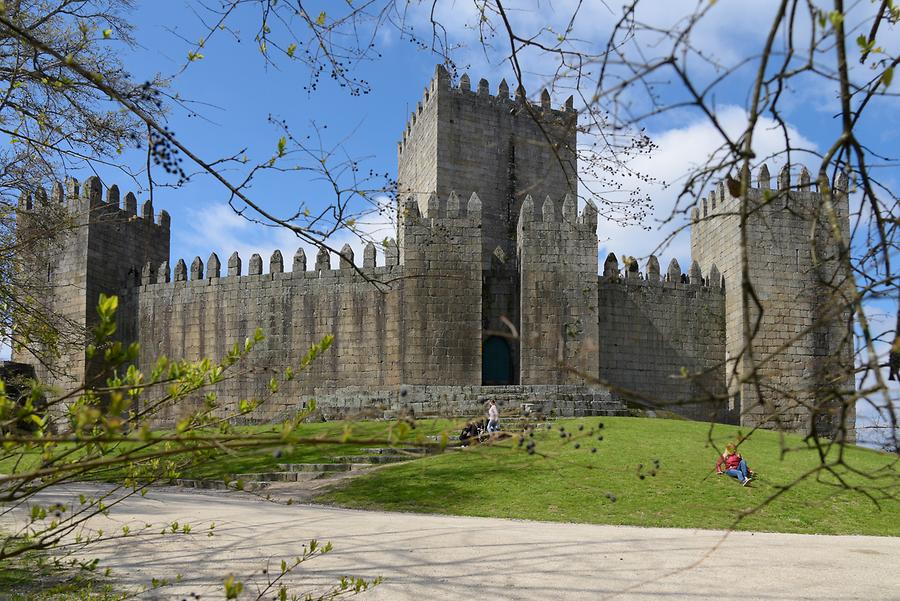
column 469, row 432
column 734, row 465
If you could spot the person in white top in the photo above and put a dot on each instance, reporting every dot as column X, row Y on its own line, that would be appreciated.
column 493, row 418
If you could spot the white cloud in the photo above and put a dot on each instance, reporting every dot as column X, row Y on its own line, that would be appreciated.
column 874, row 412
column 724, row 33
column 680, row 151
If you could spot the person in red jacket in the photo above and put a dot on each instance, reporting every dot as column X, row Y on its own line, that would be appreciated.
column 734, row 465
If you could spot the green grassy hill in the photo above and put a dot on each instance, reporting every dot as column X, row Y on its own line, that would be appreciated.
column 620, row 483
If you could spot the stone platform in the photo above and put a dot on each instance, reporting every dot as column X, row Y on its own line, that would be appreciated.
column 467, row 401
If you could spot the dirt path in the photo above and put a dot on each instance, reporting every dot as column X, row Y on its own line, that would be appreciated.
column 437, row 557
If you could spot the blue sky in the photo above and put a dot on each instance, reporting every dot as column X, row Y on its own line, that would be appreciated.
column 235, row 93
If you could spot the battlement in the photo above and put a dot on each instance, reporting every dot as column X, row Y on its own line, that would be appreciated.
column 549, row 214
column 451, row 210
column 630, row 274
column 87, row 199
column 154, row 275
column 519, row 104
column 796, row 193
column 443, row 232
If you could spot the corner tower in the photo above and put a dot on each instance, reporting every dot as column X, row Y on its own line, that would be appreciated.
column 470, row 141
column 100, row 250
column 802, row 343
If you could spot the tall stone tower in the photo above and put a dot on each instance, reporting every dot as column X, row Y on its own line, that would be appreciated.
column 801, row 328
column 466, row 140
column 503, row 149
column 101, row 251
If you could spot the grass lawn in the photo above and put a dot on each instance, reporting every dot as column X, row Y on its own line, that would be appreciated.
column 328, row 443
column 325, row 452
column 605, row 487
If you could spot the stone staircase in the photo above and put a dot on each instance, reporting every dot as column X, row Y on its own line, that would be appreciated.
column 367, row 459
column 306, row 472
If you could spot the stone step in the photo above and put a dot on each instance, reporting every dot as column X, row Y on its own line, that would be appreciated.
column 281, row 476
column 375, row 459
column 451, row 442
column 313, row 467
column 404, row 451
column 411, row 452
column 247, row 485
column 361, row 466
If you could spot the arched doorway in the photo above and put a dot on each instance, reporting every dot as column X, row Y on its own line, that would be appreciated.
column 496, row 362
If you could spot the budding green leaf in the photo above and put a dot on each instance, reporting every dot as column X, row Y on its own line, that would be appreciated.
column 836, row 18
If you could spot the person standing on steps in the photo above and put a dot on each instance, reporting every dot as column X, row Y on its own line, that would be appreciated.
column 734, row 465
column 493, row 417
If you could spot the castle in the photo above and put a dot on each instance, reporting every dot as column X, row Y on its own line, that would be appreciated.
column 491, row 289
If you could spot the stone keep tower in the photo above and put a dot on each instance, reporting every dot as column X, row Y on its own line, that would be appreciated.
column 503, row 149
column 101, row 251
column 465, row 140
column 802, row 348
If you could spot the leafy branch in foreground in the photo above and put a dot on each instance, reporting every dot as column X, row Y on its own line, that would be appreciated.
column 104, row 431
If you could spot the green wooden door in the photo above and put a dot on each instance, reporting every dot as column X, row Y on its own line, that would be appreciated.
column 496, row 362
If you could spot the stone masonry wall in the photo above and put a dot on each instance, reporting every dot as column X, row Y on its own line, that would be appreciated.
column 206, row 315
column 663, row 339
column 417, row 152
column 59, row 276
column 799, row 339
column 557, row 251
column 119, row 243
column 414, row 323
column 472, row 141
column 565, row 400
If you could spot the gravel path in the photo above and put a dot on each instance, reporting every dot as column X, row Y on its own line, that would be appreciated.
column 438, row 557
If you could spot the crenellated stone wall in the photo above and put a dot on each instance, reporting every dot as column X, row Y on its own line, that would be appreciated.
column 467, row 139
column 663, row 338
column 441, row 290
column 205, row 316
